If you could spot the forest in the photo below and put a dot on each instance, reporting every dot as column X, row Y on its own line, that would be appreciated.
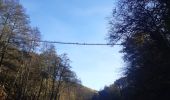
column 31, row 70
column 143, row 28
column 25, row 73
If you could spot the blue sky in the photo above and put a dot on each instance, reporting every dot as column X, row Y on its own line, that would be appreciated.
column 79, row 21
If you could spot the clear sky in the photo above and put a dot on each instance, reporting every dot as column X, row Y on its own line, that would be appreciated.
column 79, row 21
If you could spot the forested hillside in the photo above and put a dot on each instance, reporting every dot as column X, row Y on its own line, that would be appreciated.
column 142, row 27
column 32, row 70
column 28, row 71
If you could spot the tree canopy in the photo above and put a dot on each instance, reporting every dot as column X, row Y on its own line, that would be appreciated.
column 142, row 26
column 28, row 74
